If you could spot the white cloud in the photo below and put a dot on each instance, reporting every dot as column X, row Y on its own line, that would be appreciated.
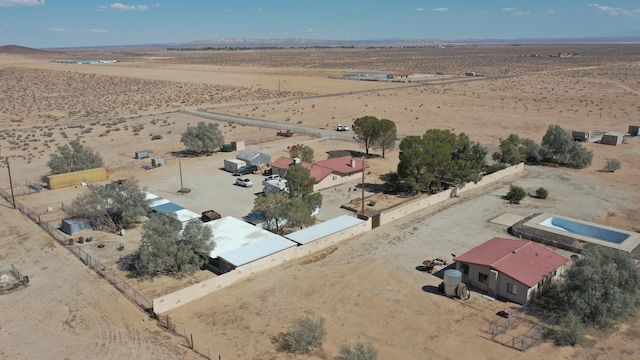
column 228, row 10
column 516, row 12
column 58, row 29
column 311, row 30
column 120, row 7
column 22, row 2
column 551, row 11
column 615, row 11
column 419, row 9
column 441, row 9
column 97, row 31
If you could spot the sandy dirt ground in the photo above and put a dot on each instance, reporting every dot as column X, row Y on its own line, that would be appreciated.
column 367, row 289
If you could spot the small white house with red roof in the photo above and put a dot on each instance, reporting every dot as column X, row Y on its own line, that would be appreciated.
column 516, row 270
column 328, row 173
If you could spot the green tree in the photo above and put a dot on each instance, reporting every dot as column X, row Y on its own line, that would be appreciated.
column 113, row 207
column 203, row 139
column 387, row 134
column 601, row 287
column 439, row 159
column 168, row 248
column 612, row 165
column 515, row 194
column 74, row 157
column 274, row 207
column 304, row 335
column 367, row 131
column 305, row 153
column 514, row 150
column 360, row 351
column 559, row 147
column 299, row 181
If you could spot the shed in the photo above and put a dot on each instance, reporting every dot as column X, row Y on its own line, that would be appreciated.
column 323, row 229
column 60, row 181
column 141, row 154
column 634, row 130
column 231, row 165
column 252, row 157
column 158, row 161
column 612, row 139
column 72, row 226
column 238, row 145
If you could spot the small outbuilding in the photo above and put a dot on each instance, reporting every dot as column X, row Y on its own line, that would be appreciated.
column 614, row 139
column 634, row 130
column 252, row 157
column 72, row 226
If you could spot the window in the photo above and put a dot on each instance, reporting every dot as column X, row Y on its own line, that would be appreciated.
column 483, row 278
column 512, row 288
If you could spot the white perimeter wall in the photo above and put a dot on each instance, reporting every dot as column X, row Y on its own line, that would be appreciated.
column 178, row 298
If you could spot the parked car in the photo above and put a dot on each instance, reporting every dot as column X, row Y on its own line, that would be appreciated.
column 341, row 127
column 244, row 170
column 272, row 177
column 243, row 181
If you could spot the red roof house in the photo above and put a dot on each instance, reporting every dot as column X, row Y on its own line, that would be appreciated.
column 516, row 270
column 328, row 173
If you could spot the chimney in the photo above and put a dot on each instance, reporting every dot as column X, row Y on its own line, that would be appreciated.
column 353, row 163
column 296, row 160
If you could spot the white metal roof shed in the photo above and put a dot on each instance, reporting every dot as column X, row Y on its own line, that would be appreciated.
column 230, row 233
column 257, row 250
column 326, row 228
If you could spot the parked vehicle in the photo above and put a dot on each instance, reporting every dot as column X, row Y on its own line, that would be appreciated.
column 341, row 127
column 244, row 170
column 243, row 181
column 272, row 177
column 285, row 133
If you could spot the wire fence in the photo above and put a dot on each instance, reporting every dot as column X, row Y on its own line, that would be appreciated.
column 201, row 347
column 131, row 293
column 539, row 323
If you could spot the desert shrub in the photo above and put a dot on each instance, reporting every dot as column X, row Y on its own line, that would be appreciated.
column 495, row 167
column 156, row 137
column 360, row 352
column 304, row 335
column 542, row 193
column 612, row 165
column 571, row 330
column 515, row 194
column 337, row 153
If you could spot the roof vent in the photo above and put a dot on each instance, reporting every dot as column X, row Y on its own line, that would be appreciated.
column 514, row 252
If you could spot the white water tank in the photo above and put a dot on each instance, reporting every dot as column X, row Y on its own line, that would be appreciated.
column 452, row 278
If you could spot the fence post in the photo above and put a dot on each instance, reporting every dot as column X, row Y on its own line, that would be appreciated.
column 192, row 342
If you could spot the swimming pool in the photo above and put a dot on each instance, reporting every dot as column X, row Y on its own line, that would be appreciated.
column 584, row 229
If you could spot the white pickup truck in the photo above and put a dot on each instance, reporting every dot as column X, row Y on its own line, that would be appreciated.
column 341, row 127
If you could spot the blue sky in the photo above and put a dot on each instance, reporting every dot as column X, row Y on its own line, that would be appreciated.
column 75, row 23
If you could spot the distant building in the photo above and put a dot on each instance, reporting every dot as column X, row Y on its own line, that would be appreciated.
column 515, row 270
column 328, row 173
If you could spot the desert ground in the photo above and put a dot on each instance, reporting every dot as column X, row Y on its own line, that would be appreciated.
column 367, row 289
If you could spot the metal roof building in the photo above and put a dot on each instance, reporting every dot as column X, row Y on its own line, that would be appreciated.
column 239, row 243
column 324, row 229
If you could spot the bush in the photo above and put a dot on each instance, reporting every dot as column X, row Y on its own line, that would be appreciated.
column 359, row 352
column 495, row 168
column 337, row 153
column 303, row 336
column 542, row 193
column 612, row 165
column 515, row 194
column 571, row 331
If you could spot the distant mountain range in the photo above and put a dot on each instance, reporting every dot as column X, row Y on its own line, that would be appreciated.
column 302, row 43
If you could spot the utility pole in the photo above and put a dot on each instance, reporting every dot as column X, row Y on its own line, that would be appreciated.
column 363, row 186
column 13, row 199
column 181, row 185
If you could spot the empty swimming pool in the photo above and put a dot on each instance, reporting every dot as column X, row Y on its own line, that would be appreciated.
column 583, row 229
